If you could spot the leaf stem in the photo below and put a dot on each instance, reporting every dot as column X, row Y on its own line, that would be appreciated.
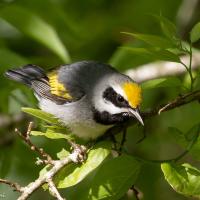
column 190, row 67
column 189, row 147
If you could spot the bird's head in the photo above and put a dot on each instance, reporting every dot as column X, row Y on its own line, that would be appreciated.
column 118, row 100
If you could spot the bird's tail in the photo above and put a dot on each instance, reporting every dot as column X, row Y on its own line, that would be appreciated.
column 35, row 77
column 26, row 74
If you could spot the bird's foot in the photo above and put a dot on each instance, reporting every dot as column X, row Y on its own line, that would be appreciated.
column 79, row 154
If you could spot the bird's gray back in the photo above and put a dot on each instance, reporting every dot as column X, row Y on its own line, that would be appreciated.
column 81, row 77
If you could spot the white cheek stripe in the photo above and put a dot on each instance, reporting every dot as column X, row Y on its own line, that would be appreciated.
column 108, row 106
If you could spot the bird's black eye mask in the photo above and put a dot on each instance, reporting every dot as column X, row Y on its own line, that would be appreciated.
column 119, row 101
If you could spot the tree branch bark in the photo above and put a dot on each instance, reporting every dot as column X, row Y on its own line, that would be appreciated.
column 161, row 69
column 175, row 103
column 13, row 185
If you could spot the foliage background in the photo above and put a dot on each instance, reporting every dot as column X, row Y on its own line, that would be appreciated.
column 88, row 30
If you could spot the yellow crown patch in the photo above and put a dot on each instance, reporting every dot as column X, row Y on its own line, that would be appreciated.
column 57, row 88
column 134, row 93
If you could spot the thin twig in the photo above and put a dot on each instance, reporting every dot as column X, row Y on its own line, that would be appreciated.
column 177, row 158
column 15, row 186
column 177, row 102
column 78, row 155
column 53, row 190
column 26, row 139
column 138, row 194
column 58, row 165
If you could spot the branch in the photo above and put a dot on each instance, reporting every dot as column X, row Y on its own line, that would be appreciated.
column 48, row 177
column 161, row 68
column 15, row 186
column 53, row 190
column 175, row 103
column 77, row 155
column 26, row 139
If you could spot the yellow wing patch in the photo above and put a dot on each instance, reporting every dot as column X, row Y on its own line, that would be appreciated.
column 57, row 88
column 134, row 93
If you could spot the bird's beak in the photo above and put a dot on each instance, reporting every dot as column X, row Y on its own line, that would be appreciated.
column 136, row 114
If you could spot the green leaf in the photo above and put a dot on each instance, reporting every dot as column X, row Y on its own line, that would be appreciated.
column 184, row 139
column 42, row 115
column 110, row 181
column 192, row 132
column 74, row 173
column 178, row 136
column 52, row 135
column 119, row 174
column 156, row 53
column 35, row 27
column 162, row 82
column 168, row 28
column 195, row 33
column 153, row 40
column 167, row 55
column 184, row 179
column 62, row 154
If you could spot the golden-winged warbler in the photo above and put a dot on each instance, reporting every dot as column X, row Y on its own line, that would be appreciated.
column 88, row 97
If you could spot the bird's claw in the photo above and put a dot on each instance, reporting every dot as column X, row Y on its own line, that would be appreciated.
column 79, row 153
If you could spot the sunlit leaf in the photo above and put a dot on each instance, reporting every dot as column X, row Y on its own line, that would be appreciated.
column 195, row 33
column 41, row 115
column 35, row 27
column 184, row 179
column 74, row 173
column 119, row 175
column 52, row 135
column 62, row 154
column 153, row 40
column 162, row 82
column 110, row 181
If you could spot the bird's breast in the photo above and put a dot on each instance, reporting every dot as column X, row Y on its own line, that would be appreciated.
column 77, row 116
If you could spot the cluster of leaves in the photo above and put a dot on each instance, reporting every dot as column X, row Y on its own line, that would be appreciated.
column 168, row 48
column 184, row 178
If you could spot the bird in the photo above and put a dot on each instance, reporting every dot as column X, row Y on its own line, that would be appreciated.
column 88, row 97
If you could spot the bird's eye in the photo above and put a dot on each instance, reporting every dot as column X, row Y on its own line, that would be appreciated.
column 120, row 99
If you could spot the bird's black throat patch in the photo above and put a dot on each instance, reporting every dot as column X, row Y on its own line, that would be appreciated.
column 106, row 118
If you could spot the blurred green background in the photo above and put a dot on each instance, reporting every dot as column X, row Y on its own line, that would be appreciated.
column 52, row 32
